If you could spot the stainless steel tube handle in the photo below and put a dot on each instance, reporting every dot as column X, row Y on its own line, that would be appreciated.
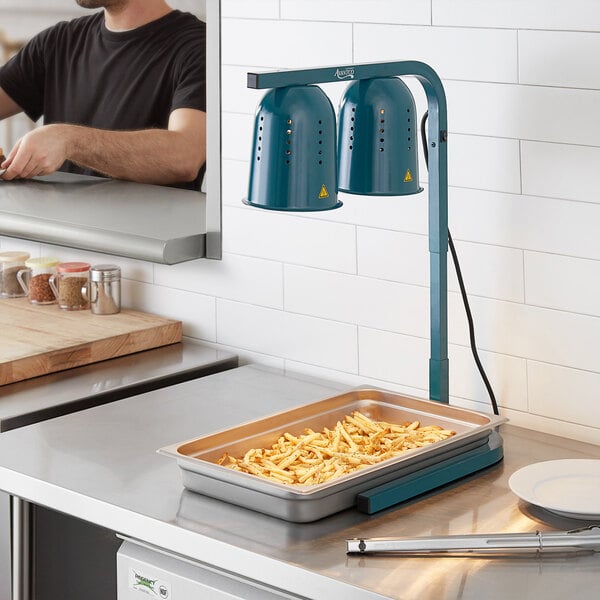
column 580, row 539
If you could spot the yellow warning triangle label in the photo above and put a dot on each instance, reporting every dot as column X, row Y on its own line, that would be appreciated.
column 408, row 176
column 323, row 193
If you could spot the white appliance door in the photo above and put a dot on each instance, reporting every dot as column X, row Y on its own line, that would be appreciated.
column 144, row 573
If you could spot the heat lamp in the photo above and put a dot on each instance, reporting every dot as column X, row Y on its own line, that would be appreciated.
column 298, row 164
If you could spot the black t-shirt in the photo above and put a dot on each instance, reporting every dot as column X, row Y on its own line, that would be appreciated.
column 80, row 72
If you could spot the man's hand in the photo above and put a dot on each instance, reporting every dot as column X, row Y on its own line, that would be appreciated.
column 39, row 152
column 160, row 156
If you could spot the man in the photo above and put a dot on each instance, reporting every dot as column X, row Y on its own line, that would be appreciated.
column 122, row 92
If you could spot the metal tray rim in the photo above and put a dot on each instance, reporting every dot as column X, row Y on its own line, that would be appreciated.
column 493, row 420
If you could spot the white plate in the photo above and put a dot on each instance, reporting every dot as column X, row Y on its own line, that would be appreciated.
column 569, row 487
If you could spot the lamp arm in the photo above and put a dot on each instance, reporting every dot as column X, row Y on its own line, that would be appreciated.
column 438, row 185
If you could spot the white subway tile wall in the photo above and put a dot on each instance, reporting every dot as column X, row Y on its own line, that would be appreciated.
column 449, row 50
column 404, row 257
column 344, row 294
column 493, row 163
column 236, row 277
column 560, row 170
column 373, row 11
column 196, row 311
column 579, row 15
column 563, row 283
column 278, row 43
column 361, row 300
column 257, row 9
column 561, row 58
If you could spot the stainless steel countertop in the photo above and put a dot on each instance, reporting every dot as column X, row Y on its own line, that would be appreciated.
column 101, row 465
column 57, row 394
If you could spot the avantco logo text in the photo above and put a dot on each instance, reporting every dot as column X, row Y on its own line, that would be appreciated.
column 345, row 73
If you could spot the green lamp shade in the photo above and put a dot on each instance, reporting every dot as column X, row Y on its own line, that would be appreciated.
column 377, row 139
column 293, row 163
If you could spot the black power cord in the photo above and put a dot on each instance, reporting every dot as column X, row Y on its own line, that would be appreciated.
column 461, row 284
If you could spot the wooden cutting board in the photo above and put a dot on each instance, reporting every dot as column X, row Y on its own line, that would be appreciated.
column 37, row 340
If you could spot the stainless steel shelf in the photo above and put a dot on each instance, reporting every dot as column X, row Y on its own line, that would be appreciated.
column 146, row 222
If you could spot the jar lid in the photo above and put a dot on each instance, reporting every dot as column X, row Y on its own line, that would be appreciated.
column 14, row 256
column 41, row 263
column 73, row 267
column 105, row 272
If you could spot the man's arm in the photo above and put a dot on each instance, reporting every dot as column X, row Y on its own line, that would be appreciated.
column 156, row 156
column 8, row 107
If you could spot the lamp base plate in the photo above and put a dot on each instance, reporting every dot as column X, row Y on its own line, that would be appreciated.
column 430, row 478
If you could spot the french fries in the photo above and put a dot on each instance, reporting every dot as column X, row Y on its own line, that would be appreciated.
column 317, row 457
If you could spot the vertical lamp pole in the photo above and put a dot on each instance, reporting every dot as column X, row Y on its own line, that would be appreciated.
column 438, row 186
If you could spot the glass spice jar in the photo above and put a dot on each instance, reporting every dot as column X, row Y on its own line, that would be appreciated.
column 68, row 282
column 34, row 279
column 10, row 264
